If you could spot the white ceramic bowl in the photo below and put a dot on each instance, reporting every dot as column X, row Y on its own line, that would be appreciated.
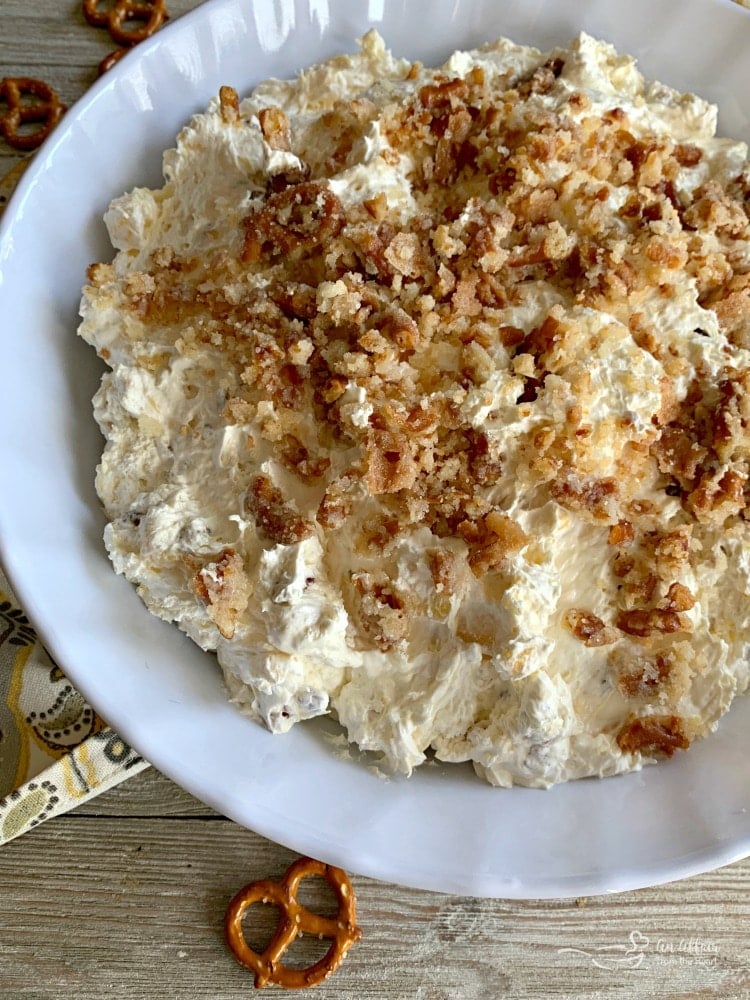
column 442, row 829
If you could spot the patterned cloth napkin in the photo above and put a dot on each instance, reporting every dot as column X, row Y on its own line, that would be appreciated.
column 55, row 751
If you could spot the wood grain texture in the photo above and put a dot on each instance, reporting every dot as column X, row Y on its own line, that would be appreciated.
column 125, row 897
column 51, row 40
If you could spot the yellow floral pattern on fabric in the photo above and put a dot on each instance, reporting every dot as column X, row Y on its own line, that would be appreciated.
column 55, row 751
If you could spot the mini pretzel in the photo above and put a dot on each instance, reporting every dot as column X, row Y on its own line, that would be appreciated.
column 294, row 919
column 150, row 13
column 48, row 110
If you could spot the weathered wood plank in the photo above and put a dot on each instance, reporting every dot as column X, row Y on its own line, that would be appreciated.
column 52, row 41
column 148, row 794
column 92, row 907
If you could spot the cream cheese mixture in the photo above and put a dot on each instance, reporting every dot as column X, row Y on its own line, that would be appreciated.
column 428, row 406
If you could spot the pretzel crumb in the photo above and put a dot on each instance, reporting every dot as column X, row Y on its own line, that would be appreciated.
column 229, row 103
column 653, row 734
column 222, row 585
column 589, row 628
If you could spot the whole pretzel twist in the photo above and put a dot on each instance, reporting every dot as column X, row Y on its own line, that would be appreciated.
column 294, row 919
column 151, row 14
column 47, row 109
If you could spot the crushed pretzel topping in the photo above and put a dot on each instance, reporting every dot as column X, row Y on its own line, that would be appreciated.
column 224, row 588
column 274, row 516
column 589, row 628
column 653, row 734
column 451, row 367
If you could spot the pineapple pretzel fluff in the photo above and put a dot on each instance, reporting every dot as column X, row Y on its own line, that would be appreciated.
column 427, row 406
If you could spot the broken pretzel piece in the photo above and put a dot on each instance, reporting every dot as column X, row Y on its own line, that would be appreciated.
column 109, row 60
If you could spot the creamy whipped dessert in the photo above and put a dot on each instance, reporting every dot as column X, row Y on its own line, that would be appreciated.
column 428, row 406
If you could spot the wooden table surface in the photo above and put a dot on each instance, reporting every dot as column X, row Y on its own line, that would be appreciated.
column 125, row 896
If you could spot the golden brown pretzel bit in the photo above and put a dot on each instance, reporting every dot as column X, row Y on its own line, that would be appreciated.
column 294, row 919
column 45, row 108
column 311, row 213
column 109, row 60
column 149, row 14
